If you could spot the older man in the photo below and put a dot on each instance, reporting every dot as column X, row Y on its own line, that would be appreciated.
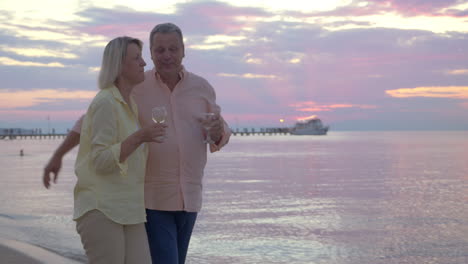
column 173, row 183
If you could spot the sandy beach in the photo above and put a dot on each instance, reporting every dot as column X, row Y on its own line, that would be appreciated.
column 15, row 252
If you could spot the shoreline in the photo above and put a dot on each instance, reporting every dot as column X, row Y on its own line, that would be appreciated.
column 16, row 252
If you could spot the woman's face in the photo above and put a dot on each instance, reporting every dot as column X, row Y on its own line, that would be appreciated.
column 133, row 65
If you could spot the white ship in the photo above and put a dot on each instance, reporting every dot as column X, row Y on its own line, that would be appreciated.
column 312, row 126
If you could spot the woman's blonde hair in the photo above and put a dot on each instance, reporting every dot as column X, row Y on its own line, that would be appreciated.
column 112, row 59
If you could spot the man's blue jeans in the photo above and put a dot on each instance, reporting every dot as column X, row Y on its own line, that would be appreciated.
column 169, row 235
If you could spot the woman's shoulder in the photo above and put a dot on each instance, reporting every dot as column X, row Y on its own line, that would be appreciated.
column 102, row 99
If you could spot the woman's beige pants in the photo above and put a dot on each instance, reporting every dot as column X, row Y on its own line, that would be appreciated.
column 107, row 242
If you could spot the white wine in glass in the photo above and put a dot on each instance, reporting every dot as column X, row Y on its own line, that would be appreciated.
column 159, row 114
column 208, row 117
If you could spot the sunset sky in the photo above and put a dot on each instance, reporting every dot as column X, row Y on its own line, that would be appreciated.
column 358, row 65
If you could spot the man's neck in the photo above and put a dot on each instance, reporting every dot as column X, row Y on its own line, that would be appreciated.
column 170, row 80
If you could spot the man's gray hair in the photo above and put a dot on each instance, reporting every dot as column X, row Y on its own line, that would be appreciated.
column 166, row 28
column 112, row 59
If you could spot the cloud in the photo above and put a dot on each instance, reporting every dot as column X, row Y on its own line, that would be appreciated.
column 252, row 59
column 407, row 8
column 457, row 72
column 259, row 61
column 315, row 107
column 116, row 22
column 457, row 12
column 212, row 17
column 49, row 31
column 345, row 23
column 94, row 69
column 207, row 46
column 37, row 52
column 22, row 99
column 218, row 42
column 13, row 62
column 248, row 76
column 455, row 92
column 420, row 7
column 220, row 18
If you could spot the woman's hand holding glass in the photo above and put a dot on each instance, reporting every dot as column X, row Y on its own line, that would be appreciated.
column 153, row 133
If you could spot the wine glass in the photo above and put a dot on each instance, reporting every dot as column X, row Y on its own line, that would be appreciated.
column 159, row 114
column 206, row 123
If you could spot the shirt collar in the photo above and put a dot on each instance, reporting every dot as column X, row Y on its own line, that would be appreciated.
column 116, row 93
column 182, row 73
column 118, row 97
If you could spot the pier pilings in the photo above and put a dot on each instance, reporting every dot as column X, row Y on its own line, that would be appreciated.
column 261, row 132
column 235, row 132
column 31, row 136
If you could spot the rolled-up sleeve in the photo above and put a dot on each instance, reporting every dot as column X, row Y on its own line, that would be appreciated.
column 77, row 127
column 105, row 148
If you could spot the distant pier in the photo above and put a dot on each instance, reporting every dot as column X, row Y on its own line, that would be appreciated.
column 261, row 132
column 235, row 132
column 36, row 133
column 31, row 136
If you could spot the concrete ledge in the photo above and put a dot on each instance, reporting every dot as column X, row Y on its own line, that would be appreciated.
column 15, row 252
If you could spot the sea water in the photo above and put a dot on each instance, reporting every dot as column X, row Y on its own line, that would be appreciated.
column 348, row 197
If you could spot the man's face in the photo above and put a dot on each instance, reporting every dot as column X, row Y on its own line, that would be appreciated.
column 167, row 52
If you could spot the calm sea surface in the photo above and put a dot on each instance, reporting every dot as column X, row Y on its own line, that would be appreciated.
column 348, row 197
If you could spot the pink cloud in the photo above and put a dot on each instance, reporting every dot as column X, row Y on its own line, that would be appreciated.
column 28, row 98
column 403, row 7
column 457, row 13
column 221, row 10
column 210, row 16
column 456, row 92
column 118, row 29
column 315, row 107
column 222, row 15
column 420, row 7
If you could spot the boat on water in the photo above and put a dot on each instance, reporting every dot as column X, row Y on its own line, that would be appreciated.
column 312, row 126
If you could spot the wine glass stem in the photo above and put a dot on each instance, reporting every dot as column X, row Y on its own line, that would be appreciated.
column 208, row 136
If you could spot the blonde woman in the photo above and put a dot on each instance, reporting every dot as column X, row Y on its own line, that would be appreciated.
column 110, row 166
